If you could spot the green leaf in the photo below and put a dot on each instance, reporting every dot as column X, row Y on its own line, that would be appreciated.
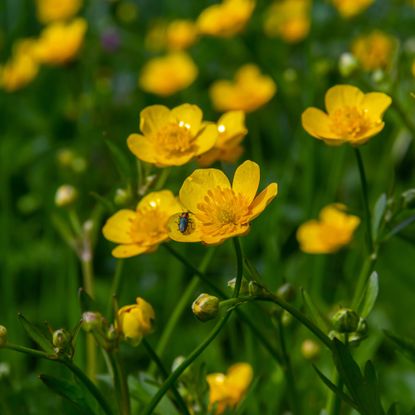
column 370, row 295
column 314, row 312
column 371, row 384
column 404, row 345
column 107, row 204
column 38, row 334
column 71, row 392
column 378, row 214
column 122, row 163
column 394, row 409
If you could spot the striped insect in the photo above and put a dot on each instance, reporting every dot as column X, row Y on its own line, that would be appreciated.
column 184, row 222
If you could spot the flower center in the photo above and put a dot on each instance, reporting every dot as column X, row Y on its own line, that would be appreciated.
column 175, row 139
column 222, row 211
column 149, row 226
column 349, row 122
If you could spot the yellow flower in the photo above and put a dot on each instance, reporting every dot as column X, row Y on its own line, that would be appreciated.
column 225, row 19
column 142, row 230
column 332, row 231
column 288, row 19
column 227, row 390
column 374, row 51
column 135, row 321
column 52, row 10
column 22, row 67
column 232, row 130
column 60, row 42
column 350, row 8
column 352, row 116
column 217, row 210
column 172, row 137
column 180, row 34
column 250, row 90
column 169, row 74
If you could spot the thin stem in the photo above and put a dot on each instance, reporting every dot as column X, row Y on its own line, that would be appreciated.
column 404, row 116
column 239, row 267
column 120, row 383
column 153, row 355
column 162, row 178
column 27, row 350
column 116, row 283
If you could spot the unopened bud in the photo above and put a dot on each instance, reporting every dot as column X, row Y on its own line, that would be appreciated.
column 3, row 336
column 244, row 285
column 345, row 321
column 286, row 318
column 205, row 307
column 65, row 196
column 286, row 292
column 378, row 76
column 112, row 333
column 61, row 339
column 310, row 349
column 257, row 290
column 122, row 197
column 91, row 320
column 408, row 199
column 347, row 64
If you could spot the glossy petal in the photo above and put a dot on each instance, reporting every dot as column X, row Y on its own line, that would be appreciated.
column 340, row 96
column 153, row 118
column 198, row 184
column 246, row 180
column 141, row 147
column 232, row 124
column 190, row 116
column 118, row 227
column 126, row 251
column 263, row 200
column 216, row 240
column 163, row 199
column 206, row 139
column 317, row 123
column 376, row 103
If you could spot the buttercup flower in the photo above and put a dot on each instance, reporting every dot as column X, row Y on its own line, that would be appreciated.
column 59, row 42
column 225, row 19
column 217, row 210
column 350, row 8
column 332, row 231
column 288, row 19
column 22, row 67
column 52, row 10
column 169, row 74
column 232, row 130
column 250, row 90
column 352, row 116
column 180, row 34
column 374, row 51
column 142, row 230
column 227, row 390
column 135, row 321
column 172, row 137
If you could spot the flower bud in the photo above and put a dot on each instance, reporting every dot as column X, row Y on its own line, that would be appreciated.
column 408, row 199
column 205, row 307
column 286, row 318
column 61, row 339
column 345, row 321
column 347, row 64
column 91, row 320
column 256, row 289
column 287, row 292
column 244, row 285
column 112, row 332
column 3, row 336
column 65, row 196
column 310, row 349
column 122, row 197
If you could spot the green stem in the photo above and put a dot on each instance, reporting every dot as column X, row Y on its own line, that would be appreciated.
column 120, row 384
column 161, row 180
column 27, row 350
column 116, row 283
column 367, row 269
column 404, row 116
column 153, row 355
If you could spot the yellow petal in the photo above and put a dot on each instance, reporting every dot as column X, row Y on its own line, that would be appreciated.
column 118, row 227
column 263, row 200
column 218, row 239
column 207, row 138
column 232, row 124
column 368, row 134
column 163, row 200
column 196, row 186
column 340, row 96
column 188, row 116
column 317, row 123
column 192, row 233
column 240, row 376
column 126, row 251
column 142, row 148
column 246, row 180
column 375, row 104
column 153, row 118
column 310, row 238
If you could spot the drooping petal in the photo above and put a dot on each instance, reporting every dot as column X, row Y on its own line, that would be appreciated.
column 141, row 147
column 340, row 96
column 206, row 139
column 246, row 180
column 118, row 227
column 192, row 233
column 375, row 104
column 196, row 186
column 153, row 118
column 317, row 123
column 263, row 200
column 188, row 116
column 126, row 251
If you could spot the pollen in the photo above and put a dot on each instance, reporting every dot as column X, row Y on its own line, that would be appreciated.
column 175, row 138
column 149, row 225
column 350, row 122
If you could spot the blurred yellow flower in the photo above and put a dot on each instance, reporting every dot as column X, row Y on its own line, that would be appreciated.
column 172, row 137
column 232, row 130
column 217, row 210
column 288, row 19
column 21, row 68
column 350, row 8
column 332, row 231
column 413, row 68
column 250, row 90
column 169, row 74
column 60, row 42
column 225, row 19
column 180, row 34
column 352, row 116
column 373, row 51
column 52, row 10
column 142, row 230
column 135, row 321
column 227, row 390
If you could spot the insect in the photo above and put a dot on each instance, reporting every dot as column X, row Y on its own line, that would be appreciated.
column 184, row 222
